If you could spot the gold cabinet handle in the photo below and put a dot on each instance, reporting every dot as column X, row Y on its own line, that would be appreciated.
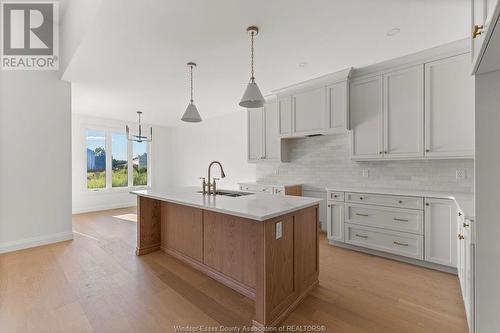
column 477, row 30
column 361, row 236
column 400, row 220
column 460, row 237
column 364, row 215
column 401, row 244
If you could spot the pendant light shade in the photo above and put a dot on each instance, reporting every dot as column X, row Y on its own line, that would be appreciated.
column 191, row 115
column 252, row 98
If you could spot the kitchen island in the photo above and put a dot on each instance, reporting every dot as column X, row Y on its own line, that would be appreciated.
column 261, row 245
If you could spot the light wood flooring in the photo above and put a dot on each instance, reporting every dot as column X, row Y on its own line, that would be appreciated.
column 95, row 283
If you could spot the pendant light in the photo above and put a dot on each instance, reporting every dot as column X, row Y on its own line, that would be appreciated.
column 140, row 137
column 252, row 98
column 191, row 115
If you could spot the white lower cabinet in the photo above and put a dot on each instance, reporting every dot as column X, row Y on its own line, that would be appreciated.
column 403, row 244
column 431, row 230
column 465, row 266
column 335, row 218
column 441, row 231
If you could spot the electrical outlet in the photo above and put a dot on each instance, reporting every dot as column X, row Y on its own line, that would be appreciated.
column 279, row 230
column 461, row 174
column 365, row 173
column 276, row 171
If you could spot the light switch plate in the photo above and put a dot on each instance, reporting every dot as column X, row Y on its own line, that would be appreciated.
column 279, row 230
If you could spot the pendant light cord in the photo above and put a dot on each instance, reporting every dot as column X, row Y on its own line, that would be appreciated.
column 191, row 84
column 252, row 78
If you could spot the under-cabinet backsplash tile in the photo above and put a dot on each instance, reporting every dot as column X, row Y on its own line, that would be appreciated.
column 324, row 161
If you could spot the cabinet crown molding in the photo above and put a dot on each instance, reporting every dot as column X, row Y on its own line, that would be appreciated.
column 439, row 52
column 324, row 80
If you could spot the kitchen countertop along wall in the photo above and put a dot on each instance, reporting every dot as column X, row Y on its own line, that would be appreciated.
column 321, row 162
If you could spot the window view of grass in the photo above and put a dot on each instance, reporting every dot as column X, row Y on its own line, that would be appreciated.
column 119, row 177
column 96, row 179
column 140, row 162
column 119, row 145
column 96, row 160
column 140, row 176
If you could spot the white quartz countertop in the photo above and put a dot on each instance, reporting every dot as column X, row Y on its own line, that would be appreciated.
column 464, row 201
column 259, row 207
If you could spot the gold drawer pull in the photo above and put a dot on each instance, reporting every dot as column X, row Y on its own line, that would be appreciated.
column 400, row 220
column 361, row 236
column 401, row 244
column 359, row 214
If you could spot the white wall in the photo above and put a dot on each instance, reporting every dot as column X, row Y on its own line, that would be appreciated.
column 222, row 138
column 487, row 199
column 35, row 159
column 85, row 200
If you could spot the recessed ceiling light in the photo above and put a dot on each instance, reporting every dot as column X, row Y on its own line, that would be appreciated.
column 303, row 64
column 393, row 31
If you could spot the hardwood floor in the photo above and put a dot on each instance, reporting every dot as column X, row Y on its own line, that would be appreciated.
column 96, row 283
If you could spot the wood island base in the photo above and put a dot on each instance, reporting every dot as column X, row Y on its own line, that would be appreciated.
column 243, row 254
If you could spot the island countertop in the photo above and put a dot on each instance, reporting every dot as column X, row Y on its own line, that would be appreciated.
column 259, row 206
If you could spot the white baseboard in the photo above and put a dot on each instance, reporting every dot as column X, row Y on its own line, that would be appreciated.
column 35, row 241
column 103, row 207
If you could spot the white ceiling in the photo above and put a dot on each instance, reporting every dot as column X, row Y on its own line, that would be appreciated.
column 134, row 56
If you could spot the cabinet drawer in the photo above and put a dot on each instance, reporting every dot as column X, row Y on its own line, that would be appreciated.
column 403, row 244
column 336, row 196
column 398, row 219
column 386, row 200
column 256, row 188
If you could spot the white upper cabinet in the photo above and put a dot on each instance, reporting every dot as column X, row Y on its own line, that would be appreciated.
column 365, row 112
column 272, row 141
column 449, row 108
column 255, row 134
column 441, row 231
column 337, row 110
column 309, row 111
column 317, row 106
column 425, row 110
column 404, row 113
column 264, row 142
column 485, row 36
column 285, row 116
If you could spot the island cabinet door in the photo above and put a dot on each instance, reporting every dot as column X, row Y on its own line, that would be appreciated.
column 182, row 230
column 229, row 245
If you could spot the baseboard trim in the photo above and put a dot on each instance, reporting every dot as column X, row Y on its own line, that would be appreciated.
column 35, row 241
column 104, row 207
column 396, row 257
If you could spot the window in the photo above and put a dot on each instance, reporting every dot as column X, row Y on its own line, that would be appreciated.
column 96, row 159
column 115, row 162
column 119, row 162
column 140, row 163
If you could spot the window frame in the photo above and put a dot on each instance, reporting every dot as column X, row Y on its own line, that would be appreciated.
column 108, row 135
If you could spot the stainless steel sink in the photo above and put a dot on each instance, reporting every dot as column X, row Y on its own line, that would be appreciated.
column 230, row 193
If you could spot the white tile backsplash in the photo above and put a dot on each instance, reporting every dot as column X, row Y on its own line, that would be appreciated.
column 324, row 161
